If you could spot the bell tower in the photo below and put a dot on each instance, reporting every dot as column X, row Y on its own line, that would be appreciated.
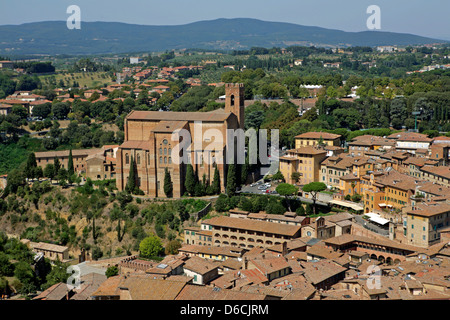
column 234, row 101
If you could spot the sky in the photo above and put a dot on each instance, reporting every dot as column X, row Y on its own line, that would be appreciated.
column 428, row 18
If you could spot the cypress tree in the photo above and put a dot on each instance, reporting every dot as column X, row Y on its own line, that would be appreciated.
column 190, row 182
column 131, row 183
column 57, row 166
column 70, row 168
column 231, row 180
column 168, row 185
column 30, row 166
column 216, row 181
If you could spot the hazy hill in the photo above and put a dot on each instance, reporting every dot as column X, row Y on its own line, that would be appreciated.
column 53, row 37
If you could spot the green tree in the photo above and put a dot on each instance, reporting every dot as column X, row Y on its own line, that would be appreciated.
column 168, row 185
column 216, row 181
column 222, row 203
column 278, row 176
column 131, row 186
column 30, row 166
column 190, row 182
column 150, row 247
column 57, row 274
column 70, row 168
column 231, row 180
column 173, row 246
column 6, row 267
column 313, row 189
column 112, row 271
column 16, row 179
column 57, row 166
column 49, row 171
column 287, row 190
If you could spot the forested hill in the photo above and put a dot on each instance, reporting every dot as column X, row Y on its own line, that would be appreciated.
column 53, row 37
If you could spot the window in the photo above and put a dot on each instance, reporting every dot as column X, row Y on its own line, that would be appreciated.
column 127, row 159
column 160, row 160
column 138, row 159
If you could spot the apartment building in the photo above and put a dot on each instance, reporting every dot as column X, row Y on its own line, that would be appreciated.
column 249, row 233
column 440, row 175
column 410, row 141
column 305, row 161
column 336, row 171
column 96, row 164
column 360, row 146
column 425, row 221
column 388, row 189
column 314, row 138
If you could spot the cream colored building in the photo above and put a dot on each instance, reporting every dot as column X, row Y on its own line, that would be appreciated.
column 306, row 161
column 424, row 222
column 313, row 139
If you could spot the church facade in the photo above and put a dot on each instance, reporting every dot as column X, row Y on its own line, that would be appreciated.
column 160, row 140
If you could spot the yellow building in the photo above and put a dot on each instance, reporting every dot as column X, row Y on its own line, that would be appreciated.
column 388, row 189
column 313, row 139
column 305, row 161
column 424, row 222
column 333, row 169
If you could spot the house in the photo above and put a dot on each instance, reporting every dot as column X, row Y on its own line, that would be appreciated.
column 192, row 292
column 202, row 271
column 135, row 60
column 332, row 65
column 3, row 181
column 58, row 291
column 139, row 287
column 272, row 267
column 6, row 65
column 50, row 251
column 5, row 109
column 323, row 274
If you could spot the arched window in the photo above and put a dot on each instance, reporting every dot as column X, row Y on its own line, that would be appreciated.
column 138, row 159
column 160, row 150
column 170, row 160
column 160, row 160
column 170, row 151
column 232, row 100
column 165, row 151
column 127, row 158
column 165, row 159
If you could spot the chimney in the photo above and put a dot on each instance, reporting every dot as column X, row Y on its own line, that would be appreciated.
column 284, row 249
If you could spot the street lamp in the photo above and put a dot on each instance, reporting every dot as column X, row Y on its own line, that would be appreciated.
column 415, row 113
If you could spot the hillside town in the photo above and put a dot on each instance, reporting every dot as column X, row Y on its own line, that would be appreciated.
column 120, row 176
